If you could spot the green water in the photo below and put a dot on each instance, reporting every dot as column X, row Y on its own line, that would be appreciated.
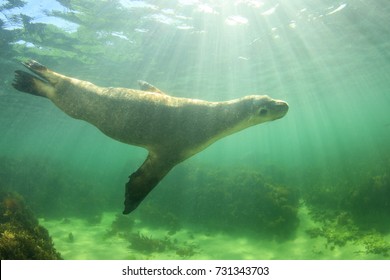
column 312, row 185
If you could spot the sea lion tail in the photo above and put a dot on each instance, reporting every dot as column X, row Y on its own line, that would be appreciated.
column 26, row 82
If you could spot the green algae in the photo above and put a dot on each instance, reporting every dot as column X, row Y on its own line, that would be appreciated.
column 21, row 236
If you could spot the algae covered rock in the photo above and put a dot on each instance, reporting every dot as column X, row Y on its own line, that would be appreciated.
column 21, row 237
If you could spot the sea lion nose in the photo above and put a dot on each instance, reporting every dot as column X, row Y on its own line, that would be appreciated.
column 281, row 107
column 281, row 104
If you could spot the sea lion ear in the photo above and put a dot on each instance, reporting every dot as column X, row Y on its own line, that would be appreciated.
column 145, row 86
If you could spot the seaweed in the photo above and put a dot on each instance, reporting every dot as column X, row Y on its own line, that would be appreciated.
column 148, row 245
column 187, row 251
column 122, row 225
column 154, row 216
column 352, row 208
column 369, row 203
column 21, row 237
column 217, row 199
column 336, row 235
column 340, row 229
column 337, row 232
column 375, row 244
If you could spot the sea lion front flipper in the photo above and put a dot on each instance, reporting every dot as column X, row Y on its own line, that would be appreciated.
column 145, row 86
column 143, row 181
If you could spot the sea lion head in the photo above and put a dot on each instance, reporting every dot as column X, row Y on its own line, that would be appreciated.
column 262, row 108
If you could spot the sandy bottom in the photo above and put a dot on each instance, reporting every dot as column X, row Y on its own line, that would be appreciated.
column 90, row 242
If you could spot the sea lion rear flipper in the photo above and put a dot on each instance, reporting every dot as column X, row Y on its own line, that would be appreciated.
column 143, row 181
column 40, row 70
column 41, row 85
column 35, row 67
column 26, row 82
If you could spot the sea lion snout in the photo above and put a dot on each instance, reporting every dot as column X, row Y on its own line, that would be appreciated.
column 279, row 108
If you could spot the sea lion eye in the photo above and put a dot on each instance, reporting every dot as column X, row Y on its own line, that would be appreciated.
column 263, row 112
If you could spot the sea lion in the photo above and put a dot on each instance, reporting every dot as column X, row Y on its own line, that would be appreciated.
column 172, row 129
